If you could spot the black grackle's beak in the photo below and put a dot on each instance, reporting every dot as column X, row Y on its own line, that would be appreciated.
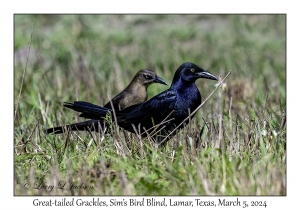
column 157, row 79
column 207, row 75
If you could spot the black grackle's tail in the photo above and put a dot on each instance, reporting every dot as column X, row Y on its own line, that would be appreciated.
column 90, row 125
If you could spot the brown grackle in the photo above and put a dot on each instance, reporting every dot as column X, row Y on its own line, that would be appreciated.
column 134, row 93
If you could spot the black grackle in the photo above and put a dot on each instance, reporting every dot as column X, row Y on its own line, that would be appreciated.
column 165, row 110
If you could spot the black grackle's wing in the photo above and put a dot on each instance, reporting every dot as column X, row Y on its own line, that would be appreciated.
column 88, row 110
column 157, row 106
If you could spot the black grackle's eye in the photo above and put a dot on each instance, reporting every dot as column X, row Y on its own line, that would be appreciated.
column 192, row 70
column 146, row 76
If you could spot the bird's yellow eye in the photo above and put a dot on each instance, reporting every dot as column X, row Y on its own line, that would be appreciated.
column 192, row 70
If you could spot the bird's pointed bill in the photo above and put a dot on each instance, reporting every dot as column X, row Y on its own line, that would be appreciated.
column 207, row 75
column 159, row 80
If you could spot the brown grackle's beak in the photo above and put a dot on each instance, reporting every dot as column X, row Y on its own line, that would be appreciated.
column 157, row 79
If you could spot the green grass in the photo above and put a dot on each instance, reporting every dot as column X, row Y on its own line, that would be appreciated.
column 236, row 144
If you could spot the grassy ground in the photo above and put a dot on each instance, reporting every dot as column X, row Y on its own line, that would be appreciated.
column 236, row 144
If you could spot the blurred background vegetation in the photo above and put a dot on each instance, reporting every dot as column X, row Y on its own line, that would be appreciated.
column 93, row 57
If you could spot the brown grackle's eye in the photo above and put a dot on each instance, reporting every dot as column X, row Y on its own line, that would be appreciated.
column 192, row 70
column 147, row 76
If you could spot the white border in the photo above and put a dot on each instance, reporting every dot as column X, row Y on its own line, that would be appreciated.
column 54, row 6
